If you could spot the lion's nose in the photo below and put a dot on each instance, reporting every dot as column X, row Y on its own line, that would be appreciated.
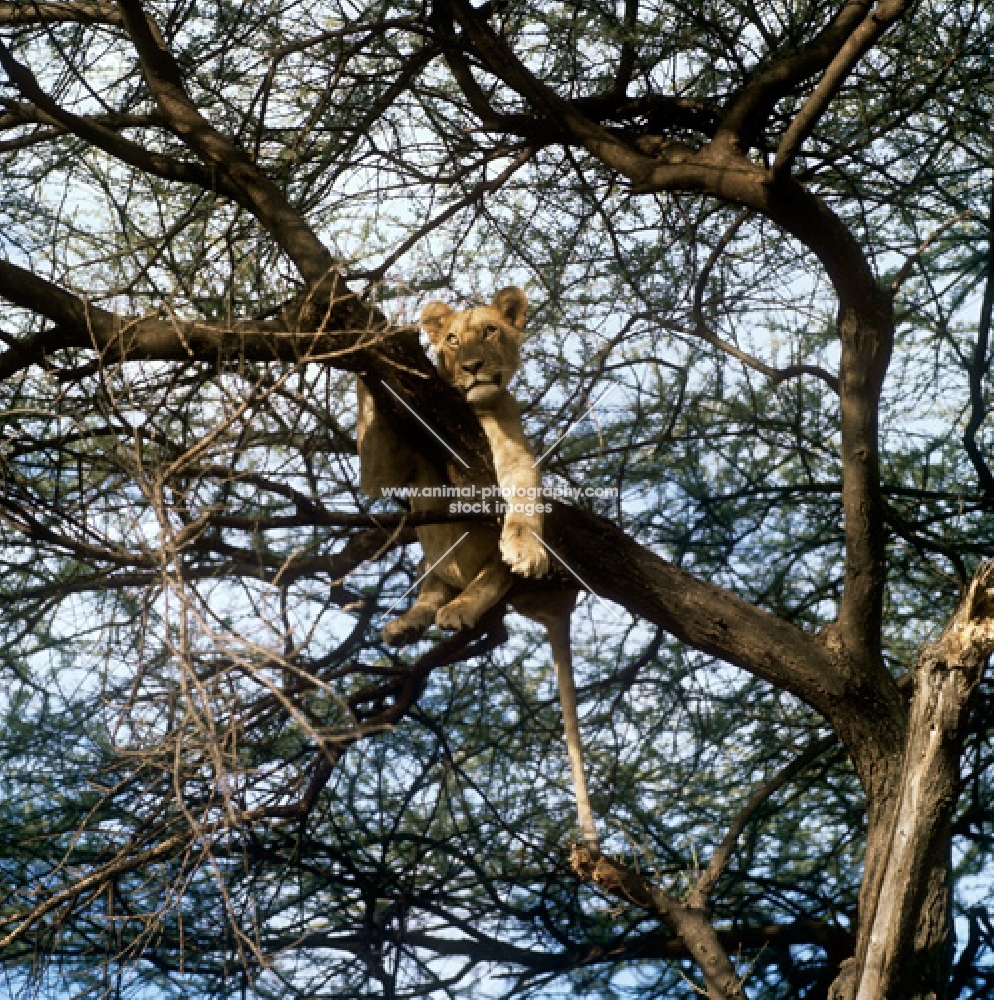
column 471, row 367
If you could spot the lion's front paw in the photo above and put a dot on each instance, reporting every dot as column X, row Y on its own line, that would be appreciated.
column 522, row 551
column 457, row 615
column 407, row 628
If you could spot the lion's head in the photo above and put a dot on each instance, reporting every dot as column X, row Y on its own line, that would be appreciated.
column 477, row 350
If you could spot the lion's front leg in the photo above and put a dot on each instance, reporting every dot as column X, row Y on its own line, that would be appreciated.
column 412, row 624
column 520, row 547
column 520, row 481
column 487, row 588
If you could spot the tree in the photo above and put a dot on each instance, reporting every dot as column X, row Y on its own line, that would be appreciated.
column 764, row 230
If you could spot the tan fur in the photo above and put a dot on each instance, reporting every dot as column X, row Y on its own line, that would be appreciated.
column 477, row 351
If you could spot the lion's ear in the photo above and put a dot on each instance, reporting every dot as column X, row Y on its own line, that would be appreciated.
column 433, row 318
column 511, row 303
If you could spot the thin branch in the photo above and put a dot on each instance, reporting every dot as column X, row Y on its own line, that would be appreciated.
column 723, row 852
column 93, row 130
column 316, row 517
column 978, row 368
column 481, row 189
column 906, row 268
column 702, row 330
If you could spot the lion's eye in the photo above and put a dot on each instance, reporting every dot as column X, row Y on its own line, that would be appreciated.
column 490, row 332
column 452, row 340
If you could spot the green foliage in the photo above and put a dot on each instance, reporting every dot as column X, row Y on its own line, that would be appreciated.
column 189, row 648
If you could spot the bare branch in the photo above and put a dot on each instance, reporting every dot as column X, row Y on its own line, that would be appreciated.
column 723, row 852
column 689, row 923
column 248, row 185
column 95, row 131
column 747, row 111
column 28, row 12
column 702, row 330
column 906, row 268
column 647, row 946
column 857, row 45
column 476, row 195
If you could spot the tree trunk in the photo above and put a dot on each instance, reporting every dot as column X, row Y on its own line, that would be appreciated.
column 905, row 941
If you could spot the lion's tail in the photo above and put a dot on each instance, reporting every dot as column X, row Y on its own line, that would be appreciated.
column 558, row 630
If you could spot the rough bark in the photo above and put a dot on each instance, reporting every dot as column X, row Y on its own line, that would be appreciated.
column 59, row 12
column 689, row 923
column 905, row 942
column 907, row 762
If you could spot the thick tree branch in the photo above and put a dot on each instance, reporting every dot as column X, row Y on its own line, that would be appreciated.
column 687, row 922
column 79, row 324
column 629, row 53
column 746, row 113
column 94, row 131
column 660, row 112
column 562, row 115
column 866, row 328
column 441, row 19
column 854, row 48
column 248, row 185
column 19, row 113
column 28, row 12
column 915, row 866
column 867, row 712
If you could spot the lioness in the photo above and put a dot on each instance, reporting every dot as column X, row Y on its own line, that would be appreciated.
column 469, row 565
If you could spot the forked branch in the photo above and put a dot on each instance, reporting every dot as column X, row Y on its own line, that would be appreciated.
column 723, row 852
column 247, row 184
column 688, row 922
column 857, row 45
